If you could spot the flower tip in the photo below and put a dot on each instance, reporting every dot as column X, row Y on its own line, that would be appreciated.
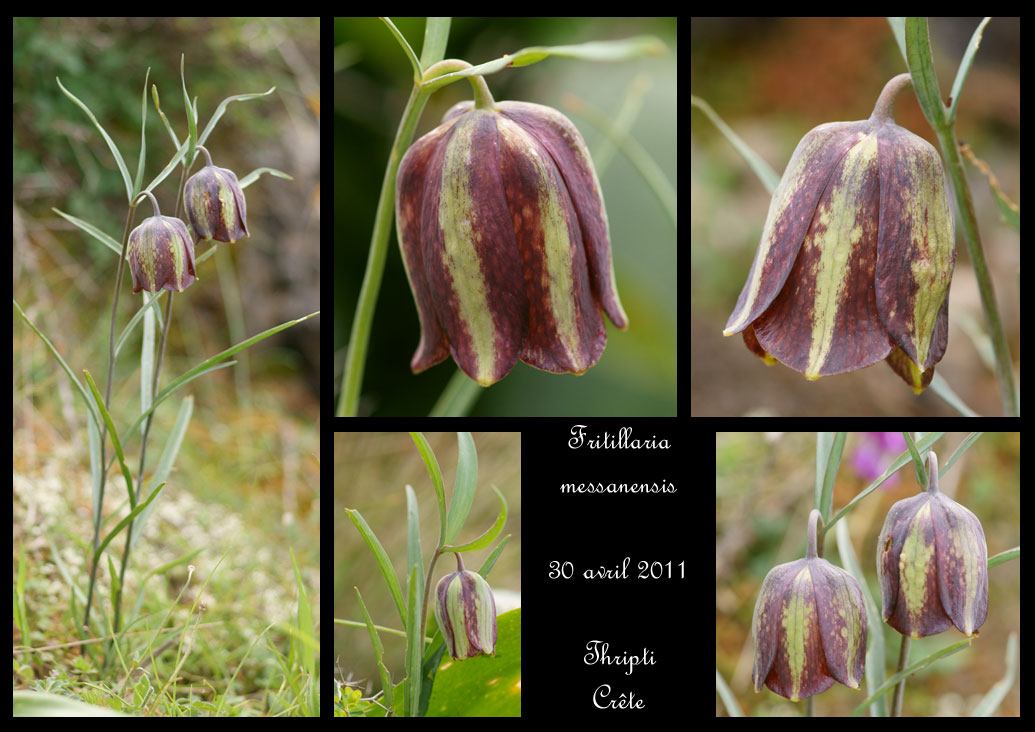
column 727, row 332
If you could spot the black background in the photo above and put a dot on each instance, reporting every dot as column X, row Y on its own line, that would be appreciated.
column 599, row 530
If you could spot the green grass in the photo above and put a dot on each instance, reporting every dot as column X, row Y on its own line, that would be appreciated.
column 237, row 636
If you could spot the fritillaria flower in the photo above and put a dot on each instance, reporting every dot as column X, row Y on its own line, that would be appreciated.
column 856, row 255
column 505, row 241
column 161, row 253
column 932, row 563
column 809, row 626
column 214, row 203
column 466, row 613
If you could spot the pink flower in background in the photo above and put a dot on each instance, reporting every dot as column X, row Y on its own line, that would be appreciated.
column 874, row 453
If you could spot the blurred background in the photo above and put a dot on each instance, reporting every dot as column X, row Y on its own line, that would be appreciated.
column 373, row 78
column 371, row 471
column 773, row 80
column 763, row 495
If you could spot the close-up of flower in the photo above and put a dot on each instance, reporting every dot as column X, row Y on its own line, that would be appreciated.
column 932, row 564
column 507, row 221
column 809, row 626
column 856, row 256
column 505, row 239
column 829, row 247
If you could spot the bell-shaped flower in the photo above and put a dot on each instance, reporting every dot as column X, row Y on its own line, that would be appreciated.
column 505, row 240
column 466, row 613
column 932, row 563
column 161, row 253
column 856, row 255
column 214, row 203
column 809, row 626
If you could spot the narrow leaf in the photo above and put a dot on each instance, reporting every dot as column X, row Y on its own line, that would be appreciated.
column 306, row 652
column 431, row 463
column 114, row 437
column 489, row 536
column 463, row 488
column 165, row 463
column 107, row 138
column 381, row 557
column 414, row 646
column 125, row 522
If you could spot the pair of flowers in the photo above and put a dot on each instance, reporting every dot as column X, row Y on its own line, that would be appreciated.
column 809, row 624
column 161, row 250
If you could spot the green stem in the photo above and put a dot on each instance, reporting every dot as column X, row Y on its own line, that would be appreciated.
column 359, row 338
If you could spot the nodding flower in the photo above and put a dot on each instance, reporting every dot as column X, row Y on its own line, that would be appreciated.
column 466, row 613
column 214, row 203
column 809, row 626
column 856, row 256
column 161, row 253
column 505, row 241
column 932, row 563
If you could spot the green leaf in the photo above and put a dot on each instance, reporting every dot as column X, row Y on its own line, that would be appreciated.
column 489, row 536
column 213, row 363
column 304, row 653
column 114, row 437
column 379, row 651
column 107, row 138
column 431, row 463
column 381, row 557
column 64, row 366
column 125, row 522
column 414, row 558
column 143, row 133
column 464, row 487
column 619, row 50
column 36, row 704
column 165, row 463
column 221, row 110
column 114, row 579
column 192, row 117
column 414, row 644
column 498, row 678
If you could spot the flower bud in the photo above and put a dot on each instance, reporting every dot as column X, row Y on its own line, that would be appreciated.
column 505, row 240
column 809, row 626
column 932, row 563
column 161, row 253
column 214, row 203
column 466, row 613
